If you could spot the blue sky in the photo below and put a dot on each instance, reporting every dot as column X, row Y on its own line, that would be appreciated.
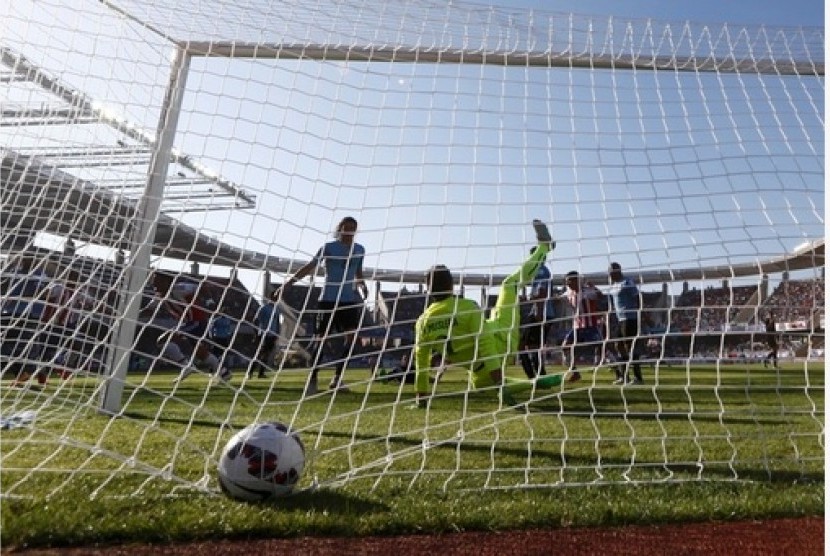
column 448, row 163
column 431, row 142
column 767, row 12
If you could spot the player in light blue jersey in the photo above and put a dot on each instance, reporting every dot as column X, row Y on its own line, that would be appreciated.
column 221, row 331
column 625, row 300
column 341, row 301
column 536, row 327
column 269, row 326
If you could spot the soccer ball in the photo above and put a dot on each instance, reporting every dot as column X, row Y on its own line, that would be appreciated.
column 262, row 460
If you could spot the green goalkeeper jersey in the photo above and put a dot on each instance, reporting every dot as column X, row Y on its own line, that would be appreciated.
column 455, row 328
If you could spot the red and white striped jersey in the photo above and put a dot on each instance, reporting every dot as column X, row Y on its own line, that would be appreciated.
column 585, row 306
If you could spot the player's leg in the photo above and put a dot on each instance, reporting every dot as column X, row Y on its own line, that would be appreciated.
column 346, row 319
column 256, row 363
column 515, row 386
column 212, row 356
column 504, row 321
column 206, row 357
column 181, row 337
column 569, row 349
column 591, row 337
column 533, row 350
column 525, row 358
column 774, row 353
column 53, row 334
column 322, row 327
column 50, row 353
column 621, row 369
column 336, row 382
column 228, row 359
column 574, row 345
column 505, row 314
column 526, row 349
column 512, row 387
column 171, row 350
column 269, row 349
column 541, row 352
column 536, row 361
column 632, row 330
column 74, row 352
column 29, row 356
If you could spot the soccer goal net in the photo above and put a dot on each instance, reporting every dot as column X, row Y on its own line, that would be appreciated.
column 167, row 165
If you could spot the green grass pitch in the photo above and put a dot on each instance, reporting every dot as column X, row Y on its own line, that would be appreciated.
column 698, row 442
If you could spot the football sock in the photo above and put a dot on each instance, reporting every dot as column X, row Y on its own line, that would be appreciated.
column 550, row 381
column 212, row 362
column 174, row 353
column 527, row 365
column 517, row 385
column 638, row 372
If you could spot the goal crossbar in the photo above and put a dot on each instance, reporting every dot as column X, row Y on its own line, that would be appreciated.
column 566, row 59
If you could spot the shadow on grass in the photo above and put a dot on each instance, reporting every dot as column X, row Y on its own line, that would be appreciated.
column 333, row 501
column 706, row 471
column 617, row 411
column 674, row 406
column 193, row 391
column 185, row 420
column 597, row 402
column 748, row 474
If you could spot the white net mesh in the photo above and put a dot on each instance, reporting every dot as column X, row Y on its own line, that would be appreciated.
column 151, row 145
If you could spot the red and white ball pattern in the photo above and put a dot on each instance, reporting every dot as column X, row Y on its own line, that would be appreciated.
column 261, row 461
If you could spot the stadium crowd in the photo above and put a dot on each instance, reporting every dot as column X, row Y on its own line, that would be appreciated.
column 58, row 311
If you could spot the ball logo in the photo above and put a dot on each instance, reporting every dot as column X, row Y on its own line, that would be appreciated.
column 289, row 477
column 263, row 464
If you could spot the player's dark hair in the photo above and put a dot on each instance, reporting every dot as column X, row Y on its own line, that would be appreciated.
column 342, row 224
column 572, row 274
column 439, row 282
column 614, row 267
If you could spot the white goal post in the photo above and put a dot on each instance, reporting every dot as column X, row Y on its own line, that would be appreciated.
column 150, row 147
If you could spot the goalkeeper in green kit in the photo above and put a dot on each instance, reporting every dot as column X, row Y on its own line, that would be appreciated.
column 455, row 328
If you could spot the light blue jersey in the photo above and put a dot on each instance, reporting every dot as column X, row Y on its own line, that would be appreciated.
column 221, row 327
column 541, row 281
column 268, row 318
column 343, row 262
column 541, row 286
column 626, row 299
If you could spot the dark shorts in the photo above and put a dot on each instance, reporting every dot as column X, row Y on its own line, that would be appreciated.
column 583, row 336
column 265, row 342
column 534, row 333
column 626, row 336
column 628, row 329
column 338, row 317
